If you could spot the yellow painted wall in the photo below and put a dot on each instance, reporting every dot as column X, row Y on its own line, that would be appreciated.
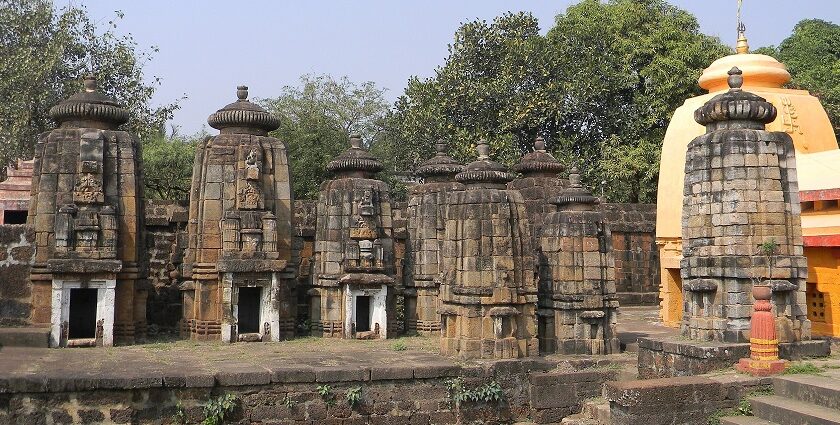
column 823, row 294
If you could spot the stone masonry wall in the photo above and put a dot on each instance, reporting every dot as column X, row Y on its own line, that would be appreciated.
column 393, row 395
column 633, row 229
column 165, row 243
column 17, row 252
column 684, row 400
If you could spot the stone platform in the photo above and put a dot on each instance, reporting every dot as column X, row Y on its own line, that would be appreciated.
column 662, row 357
column 402, row 381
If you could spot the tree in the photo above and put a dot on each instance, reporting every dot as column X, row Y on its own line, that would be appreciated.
column 316, row 120
column 812, row 55
column 43, row 55
column 600, row 87
column 168, row 164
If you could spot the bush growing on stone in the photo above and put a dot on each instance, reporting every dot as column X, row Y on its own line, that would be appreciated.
column 216, row 409
column 325, row 391
column 353, row 396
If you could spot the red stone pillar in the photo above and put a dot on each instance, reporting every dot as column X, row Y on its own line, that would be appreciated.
column 764, row 345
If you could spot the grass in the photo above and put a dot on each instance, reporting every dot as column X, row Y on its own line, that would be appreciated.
column 743, row 408
column 798, row 368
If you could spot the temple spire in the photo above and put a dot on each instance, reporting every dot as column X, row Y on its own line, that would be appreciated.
column 741, row 46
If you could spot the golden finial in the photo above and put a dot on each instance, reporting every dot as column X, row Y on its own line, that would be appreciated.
column 741, row 46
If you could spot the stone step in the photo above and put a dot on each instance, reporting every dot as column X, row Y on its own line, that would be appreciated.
column 744, row 420
column 593, row 412
column 821, row 390
column 788, row 411
column 25, row 337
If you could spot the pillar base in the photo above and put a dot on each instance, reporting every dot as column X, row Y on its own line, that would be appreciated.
column 761, row 367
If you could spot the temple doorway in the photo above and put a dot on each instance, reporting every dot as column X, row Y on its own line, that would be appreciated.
column 249, row 309
column 362, row 313
column 82, row 319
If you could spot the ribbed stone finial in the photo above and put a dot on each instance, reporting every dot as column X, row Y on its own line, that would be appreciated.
column 242, row 93
column 483, row 150
column 575, row 194
column 355, row 141
column 574, row 177
column 440, row 147
column 736, row 78
column 539, row 144
column 90, row 83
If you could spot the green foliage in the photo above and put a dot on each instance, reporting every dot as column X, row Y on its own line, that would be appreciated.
column 486, row 393
column 399, row 346
column 216, row 409
column 168, row 164
column 601, row 87
column 288, row 402
column 743, row 408
column 812, row 55
column 325, row 391
column 769, row 248
column 43, row 55
column 316, row 120
column 803, row 368
column 180, row 417
column 353, row 396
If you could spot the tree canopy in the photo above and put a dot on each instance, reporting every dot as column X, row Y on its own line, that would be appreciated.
column 168, row 163
column 600, row 86
column 43, row 55
column 316, row 120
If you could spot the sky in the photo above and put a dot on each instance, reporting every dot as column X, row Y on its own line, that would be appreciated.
column 207, row 48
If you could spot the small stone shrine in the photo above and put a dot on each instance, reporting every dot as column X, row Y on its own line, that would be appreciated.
column 426, row 210
column 238, row 266
column 353, row 294
column 488, row 290
column 741, row 224
column 578, row 305
column 540, row 184
column 87, row 210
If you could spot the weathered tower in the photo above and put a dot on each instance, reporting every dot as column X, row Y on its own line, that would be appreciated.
column 425, row 213
column 87, row 209
column 740, row 221
column 578, row 303
column 488, row 291
column 352, row 286
column 238, row 267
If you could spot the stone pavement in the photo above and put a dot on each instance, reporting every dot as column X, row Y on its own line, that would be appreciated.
column 203, row 359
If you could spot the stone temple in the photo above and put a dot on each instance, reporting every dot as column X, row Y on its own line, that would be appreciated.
column 87, row 211
column 578, row 305
column 741, row 224
column 488, row 291
column 353, row 281
column 238, row 268
column 426, row 229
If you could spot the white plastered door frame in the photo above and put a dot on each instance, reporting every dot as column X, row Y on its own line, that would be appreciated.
column 105, row 304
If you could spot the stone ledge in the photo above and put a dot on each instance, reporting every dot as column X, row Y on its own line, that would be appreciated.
column 666, row 357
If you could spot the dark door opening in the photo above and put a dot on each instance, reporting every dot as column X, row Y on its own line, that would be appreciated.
column 14, row 217
column 82, row 313
column 362, row 314
column 249, row 310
